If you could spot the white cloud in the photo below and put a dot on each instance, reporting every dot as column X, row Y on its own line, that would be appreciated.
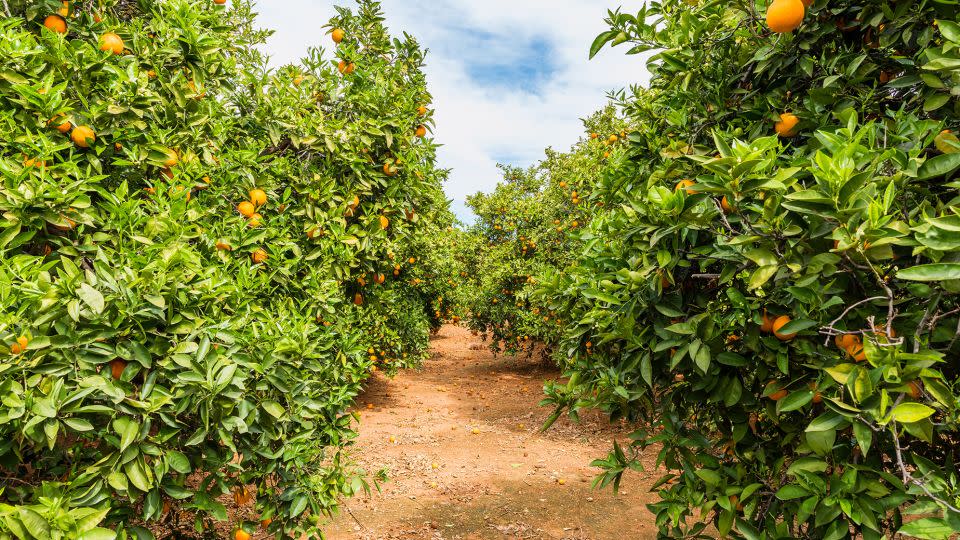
column 479, row 122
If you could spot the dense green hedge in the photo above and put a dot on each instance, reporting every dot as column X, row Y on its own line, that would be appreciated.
column 175, row 350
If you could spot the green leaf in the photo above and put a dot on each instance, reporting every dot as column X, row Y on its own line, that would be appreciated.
column 128, row 431
column 91, row 297
column 275, row 409
column 910, row 412
column 938, row 166
column 98, row 533
column 600, row 41
column 931, row 272
column 794, row 401
column 790, row 492
column 928, row 529
column 178, row 462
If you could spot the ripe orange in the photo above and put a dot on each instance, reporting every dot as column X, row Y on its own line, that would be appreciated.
column 63, row 127
column 808, row 3
column 412, row 260
column 223, row 246
column 258, row 197
column 685, row 185
column 255, row 221
column 384, row 222
column 344, row 68
column 915, row 389
column 422, row 110
column 780, row 323
column 259, row 256
column 881, row 331
column 767, row 326
column 246, row 209
column 338, row 34
column 55, row 23
column 266, row 522
column 857, row 352
column 117, row 366
column 594, row 135
column 111, row 42
column 358, row 299
column 785, row 15
column 846, row 341
column 421, row 131
column 726, row 206
column 389, row 169
column 787, row 125
column 151, row 74
column 379, row 279
column 219, row 2
column 241, row 534
column 779, row 394
column 82, row 136
column 20, row 346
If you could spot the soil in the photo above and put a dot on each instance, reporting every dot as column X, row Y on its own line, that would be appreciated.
column 461, row 445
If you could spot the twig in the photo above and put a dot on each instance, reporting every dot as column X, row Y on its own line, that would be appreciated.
column 830, row 330
column 6, row 8
column 923, row 322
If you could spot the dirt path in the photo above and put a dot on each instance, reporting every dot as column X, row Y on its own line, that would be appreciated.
column 460, row 444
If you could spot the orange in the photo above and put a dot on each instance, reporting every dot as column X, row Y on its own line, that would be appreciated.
column 726, row 206
column 421, row 131
column 808, row 3
column 55, row 23
column 915, row 389
column 685, row 185
column 117, row 366
column 266, row 522
column 785, row 15
column 111, row 42
column 412, row 260
column 63, row 127
column 152, row 74
column 358, row 299
column 767, row 325
column 223, row 246
column 82, row 136
column 344, row 68
column 780, row 323
column 255, row 221
column 219, row 2
column 787, row 125
column 846, row 341
column 389, row 169
column 258, row 197
column 246, row 209
column 338, row 34
column 379, row 279
column 594, row 135
column 384, row 222
column 421, row 110
column 778, row 395
column 881, row 330
column 259, row 256
column 856, row 352
column 20, row 346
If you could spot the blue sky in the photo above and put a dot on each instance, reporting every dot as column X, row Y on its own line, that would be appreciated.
column 509, row 77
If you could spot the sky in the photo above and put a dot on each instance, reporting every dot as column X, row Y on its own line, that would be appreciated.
column 509, row 78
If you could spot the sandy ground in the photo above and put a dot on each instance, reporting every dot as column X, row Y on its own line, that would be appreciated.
column 460, row 443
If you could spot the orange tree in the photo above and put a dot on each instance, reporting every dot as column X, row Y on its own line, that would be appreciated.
column 195, row 251
column 530, row 223
column 774, row 289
